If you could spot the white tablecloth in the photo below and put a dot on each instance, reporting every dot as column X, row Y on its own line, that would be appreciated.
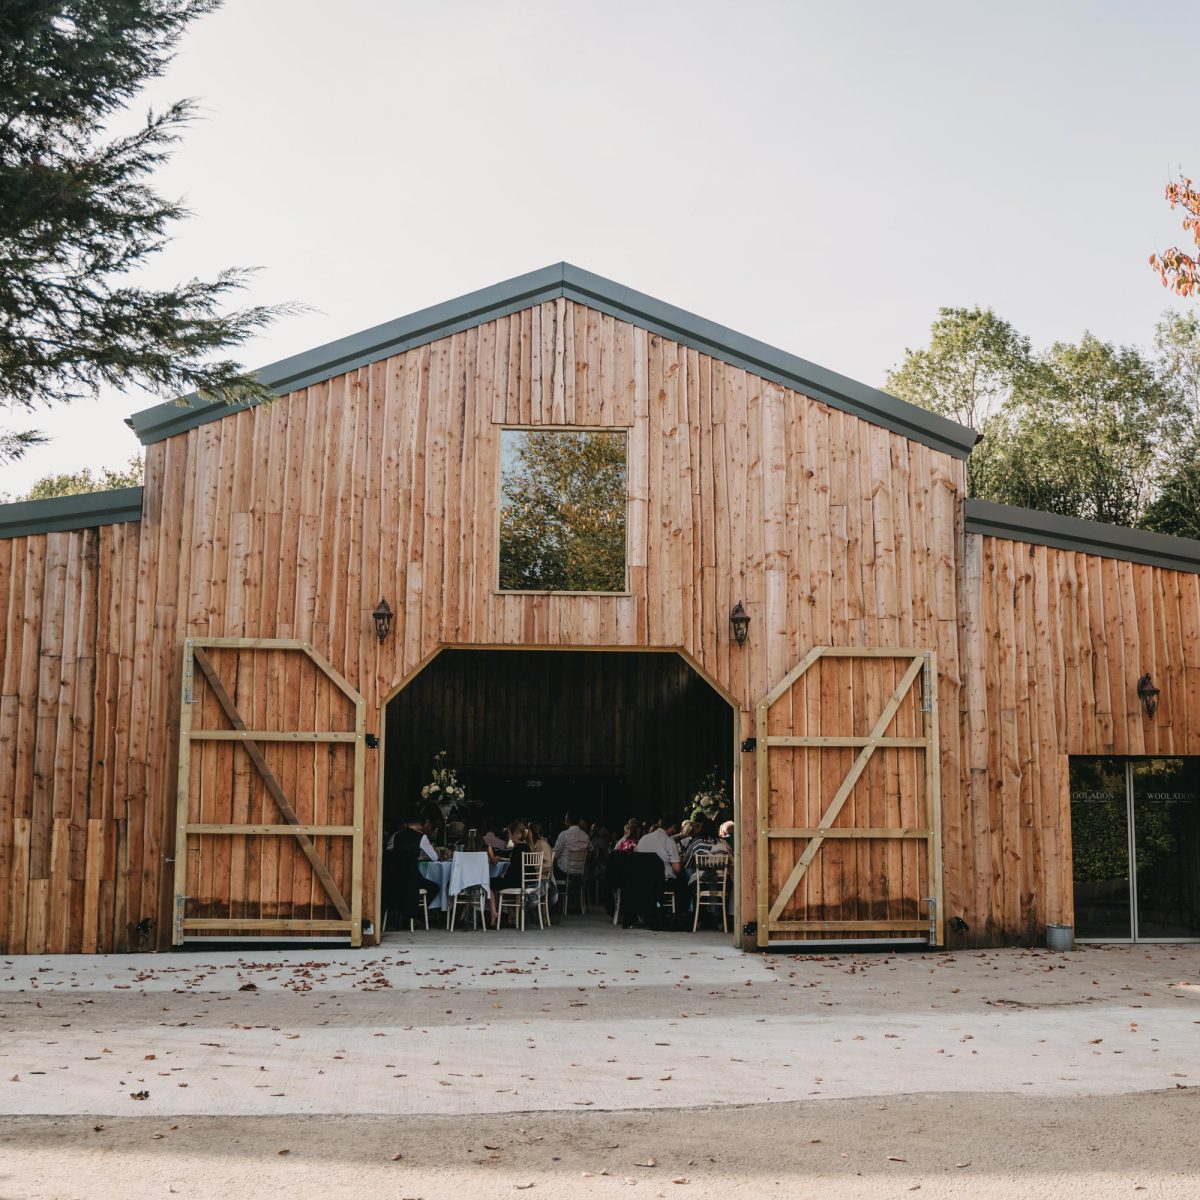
column 439, row 872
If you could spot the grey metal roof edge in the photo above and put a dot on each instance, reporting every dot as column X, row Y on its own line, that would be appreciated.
column 1088, row 537
column 820, row 383
column 58, row 513
column 563, row 279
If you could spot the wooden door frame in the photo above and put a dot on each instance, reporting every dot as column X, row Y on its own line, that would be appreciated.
column 350, row 914
column 922, row 665
column 735, row 706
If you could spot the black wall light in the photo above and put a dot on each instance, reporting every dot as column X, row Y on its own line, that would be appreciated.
column 382, row 616
column 1148, row 694
column 740, row 620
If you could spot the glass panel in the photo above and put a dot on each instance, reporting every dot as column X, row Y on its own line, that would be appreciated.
column 1166, row 826
column 1100, row 848
column 562, row 510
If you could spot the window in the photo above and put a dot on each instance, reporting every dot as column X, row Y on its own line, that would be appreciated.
column 562, row 510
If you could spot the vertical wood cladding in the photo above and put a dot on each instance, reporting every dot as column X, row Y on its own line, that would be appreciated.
column 293, row 519
column 76, row 820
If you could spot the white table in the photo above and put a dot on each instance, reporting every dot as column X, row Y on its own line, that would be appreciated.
column 439, row 873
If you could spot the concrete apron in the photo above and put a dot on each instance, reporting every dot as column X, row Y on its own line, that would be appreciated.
column 582, row 1017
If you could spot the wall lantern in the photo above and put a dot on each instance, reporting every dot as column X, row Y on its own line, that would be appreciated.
column 1148, row 694
column 740, row 620
column 382, row 616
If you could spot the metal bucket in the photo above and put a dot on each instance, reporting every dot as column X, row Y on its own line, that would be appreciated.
column 1060, row 937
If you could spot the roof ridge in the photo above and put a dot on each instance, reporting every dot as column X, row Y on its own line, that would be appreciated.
column 566, row 280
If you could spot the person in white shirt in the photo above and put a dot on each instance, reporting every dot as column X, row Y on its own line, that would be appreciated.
column 574, row 838
column 661, row 841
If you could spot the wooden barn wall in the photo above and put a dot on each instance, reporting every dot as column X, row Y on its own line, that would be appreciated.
column 79, row 829
column 1057, row 641
column 647, row 719
column 292, row 520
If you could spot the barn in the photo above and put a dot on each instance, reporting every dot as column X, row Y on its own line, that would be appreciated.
column 525, row 527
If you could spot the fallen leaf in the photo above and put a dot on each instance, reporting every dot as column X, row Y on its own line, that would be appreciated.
column 142, row 1095
column 650, row 1162
column 893, row 1158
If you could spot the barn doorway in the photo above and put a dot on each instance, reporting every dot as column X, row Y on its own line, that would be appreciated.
column 543, row 735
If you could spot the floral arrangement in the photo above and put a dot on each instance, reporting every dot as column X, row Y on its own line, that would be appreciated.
column 443, row 788
column 711, row 797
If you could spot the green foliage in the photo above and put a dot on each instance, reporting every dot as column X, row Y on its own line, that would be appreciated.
column 562, row 512
column 1176, row 508
column 77, row 483
column 77, row 215
column 1083, row 430
column 1082, row 438
column 973, row 366
column 970, row 368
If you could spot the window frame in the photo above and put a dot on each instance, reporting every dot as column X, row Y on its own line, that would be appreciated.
column 515, row 427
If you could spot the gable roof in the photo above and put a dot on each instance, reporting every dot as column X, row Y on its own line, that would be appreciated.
column 562, row 279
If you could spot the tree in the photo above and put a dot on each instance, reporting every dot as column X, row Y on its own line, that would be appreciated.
column 562, row 512
column 1176, row 508
column 78, row 214
column 1083, row 437
column 1179, row 270
column 76, row 483
column 973, row 365
column 1086, row 430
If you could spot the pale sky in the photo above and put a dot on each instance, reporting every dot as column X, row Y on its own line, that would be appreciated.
column 818, row 175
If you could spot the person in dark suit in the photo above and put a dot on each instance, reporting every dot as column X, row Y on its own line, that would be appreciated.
column 402, row 879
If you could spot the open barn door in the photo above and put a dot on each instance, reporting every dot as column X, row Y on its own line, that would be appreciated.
column 269, row 818
column 849, row 809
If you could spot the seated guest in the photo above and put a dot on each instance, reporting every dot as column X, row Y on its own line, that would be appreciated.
column 661, row 841
column 491, row 839
column 633, row 831
column 574, row 838
column 685, row 834
column 704, row 841
column 537, row 841
column 425, row 828
column 403, row 880
column 726, row 833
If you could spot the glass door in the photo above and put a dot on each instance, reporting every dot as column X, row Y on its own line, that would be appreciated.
column 1100, row 849
column 1135, row 837
column 1166, row 840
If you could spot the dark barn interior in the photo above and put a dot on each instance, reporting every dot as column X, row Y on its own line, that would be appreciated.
column 537, row 734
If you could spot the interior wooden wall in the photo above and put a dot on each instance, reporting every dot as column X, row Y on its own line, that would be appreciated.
column 292, row 520
column 74, row 803
column 1057, row 641
column 648, row 719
